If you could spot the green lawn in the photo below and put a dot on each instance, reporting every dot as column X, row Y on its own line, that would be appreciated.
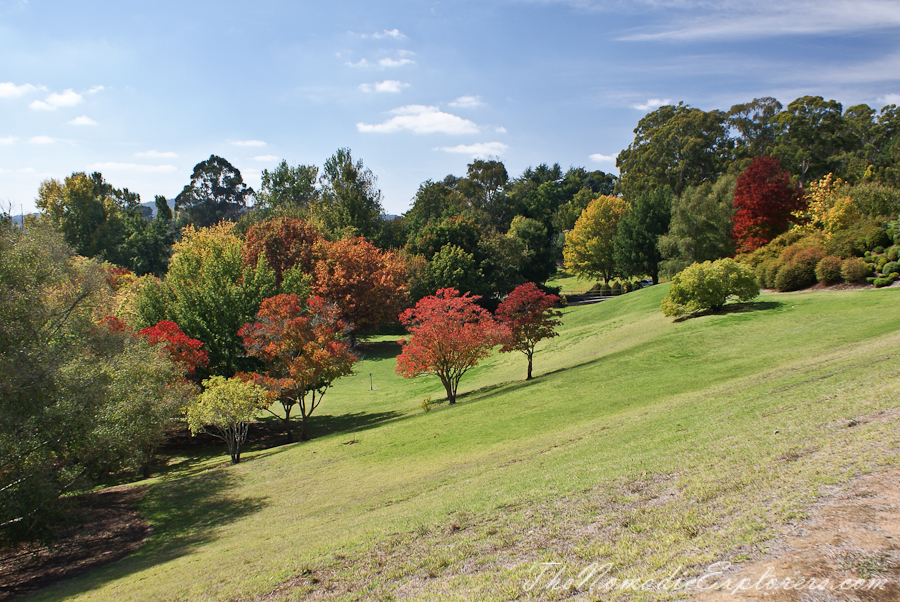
column 643, row 442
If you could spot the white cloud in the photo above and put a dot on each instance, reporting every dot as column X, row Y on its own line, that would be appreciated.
column 598, row 158
column 740, row 19
column 421, row 119
column 265, row 158
column 8, row 140
column 890, row 99
column 132, row 167
column 83, row 120
column 465, row 102
column 651, row 104
column 389, row 62
column 95, row 89
column 386, row 33
column 154, row 154
column 66, row 98
column 388, row 85
column 11, row 90
column 500, row 129
column 478, row 150
column 41, row 140
column 247, row 142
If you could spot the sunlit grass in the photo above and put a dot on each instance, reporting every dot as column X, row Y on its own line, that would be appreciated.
column 641, row 442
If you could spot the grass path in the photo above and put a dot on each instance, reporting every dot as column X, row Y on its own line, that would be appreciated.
column 645, row 443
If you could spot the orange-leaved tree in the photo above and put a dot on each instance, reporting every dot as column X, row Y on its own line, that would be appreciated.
column 367, row 284
column 449, row 334
column 302, row 348
column 529, row 316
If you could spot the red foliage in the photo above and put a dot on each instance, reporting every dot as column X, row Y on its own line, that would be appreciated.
column 528, row 315
column 287, row 242
column 302, row 350
column 112, row 323
column 184, row 351
column 450, row 333
column 116, row 277
column 764, row 198
column 367, row 284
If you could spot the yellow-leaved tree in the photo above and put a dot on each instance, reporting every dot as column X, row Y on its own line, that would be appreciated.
column 590, row 246
column 829, row 208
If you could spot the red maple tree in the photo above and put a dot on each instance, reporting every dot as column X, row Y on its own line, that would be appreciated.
column 449, row 334
column 287, row 242
column 302, row 349
column 367, row 284
column 529, row 317
column 765, row 199
column 184, row 351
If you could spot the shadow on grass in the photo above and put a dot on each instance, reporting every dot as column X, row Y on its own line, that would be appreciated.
column 377, row 351
column 184, row 514
column 324, row 425
column 735, row 308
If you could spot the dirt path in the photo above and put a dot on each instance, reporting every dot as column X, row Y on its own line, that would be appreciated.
column 852, row 533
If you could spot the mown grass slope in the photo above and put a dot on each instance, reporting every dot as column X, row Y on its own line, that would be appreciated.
column 645, row 443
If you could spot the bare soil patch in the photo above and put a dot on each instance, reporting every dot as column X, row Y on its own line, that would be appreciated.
column 111, row 528
column 852, row 533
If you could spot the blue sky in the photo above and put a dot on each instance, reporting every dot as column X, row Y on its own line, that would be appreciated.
column 142, row 91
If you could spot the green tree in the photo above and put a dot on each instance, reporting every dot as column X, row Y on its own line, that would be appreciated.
column 637, row 237
column 290, row 190
column 452, row 267
column 590, row 247
column 210, row 292
column 216, row 193
column 539, row 261
column 701, row 225
column 674, row 147
column 812, row 136
column 225, row 409
column 351, row 201
column 756, row 125
column 78, row 399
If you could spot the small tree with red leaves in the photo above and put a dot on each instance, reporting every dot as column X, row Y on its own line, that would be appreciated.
column 529, row 317
column 184, row 351
column 302, row 350
column 764, row 198
column 449, row 334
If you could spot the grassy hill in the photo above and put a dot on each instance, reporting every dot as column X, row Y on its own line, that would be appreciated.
column 644, row 443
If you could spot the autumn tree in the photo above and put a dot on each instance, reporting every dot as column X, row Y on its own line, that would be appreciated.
column 590, row 247
column 225, row 409
column 449, row 333
column 287, row 243
column 529, row 317
column 302, row 350
column 182, row 349
column 210, row 292
column 765, row 200
column 367, row 284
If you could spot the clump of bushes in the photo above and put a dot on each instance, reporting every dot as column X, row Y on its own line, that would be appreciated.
column 828, row 270
column 616, row 287
column 854, row 270
column 890, row 267
column 708, row 286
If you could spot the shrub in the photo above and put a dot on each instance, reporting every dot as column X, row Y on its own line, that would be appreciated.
column 877, row 237
column 605, row 291
column 709, row 285
column 879, row 265
column 828, row 270
column 878, row 250
column 616, row 288
column 636, row 285
column 893, row 254
column 760, row 274
column 854, row 269
column 793, row 277
column 890, row 267
column 772, row 271
column 880, row 282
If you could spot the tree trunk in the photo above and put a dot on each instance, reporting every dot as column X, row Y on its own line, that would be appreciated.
column 529, row 369
column 287, row 423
